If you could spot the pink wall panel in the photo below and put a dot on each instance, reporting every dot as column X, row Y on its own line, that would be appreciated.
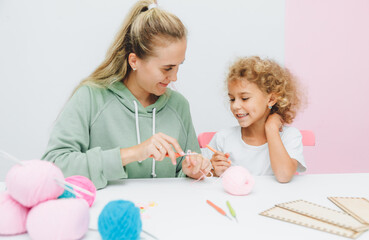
column 327, row 47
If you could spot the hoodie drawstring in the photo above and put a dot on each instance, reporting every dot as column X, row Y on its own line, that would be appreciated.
column 153, row 174
column 137, row 126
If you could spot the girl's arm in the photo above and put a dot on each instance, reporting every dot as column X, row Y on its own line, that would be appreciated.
column 284, row 167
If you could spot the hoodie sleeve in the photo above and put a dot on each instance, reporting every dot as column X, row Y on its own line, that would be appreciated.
column 68, row 146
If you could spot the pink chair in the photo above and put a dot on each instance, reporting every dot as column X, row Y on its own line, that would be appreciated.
column 204, row 138
column 308, row 138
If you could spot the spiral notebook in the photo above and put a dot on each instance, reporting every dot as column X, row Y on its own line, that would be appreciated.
column 317, row 217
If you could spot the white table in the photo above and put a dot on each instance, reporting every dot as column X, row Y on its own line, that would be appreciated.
column 182, row 211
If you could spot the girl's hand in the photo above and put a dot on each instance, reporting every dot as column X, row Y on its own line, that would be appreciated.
column 220, row 162
column 157, row 146
column 274, row 122
column 195, row 166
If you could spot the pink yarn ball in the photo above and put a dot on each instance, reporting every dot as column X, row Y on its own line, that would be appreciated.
column 13, row 216
column 33, row 182
column 84, row 183
column 237, row 180
column 66, row 218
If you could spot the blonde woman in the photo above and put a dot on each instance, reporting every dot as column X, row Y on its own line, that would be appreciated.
column 122, row 121
column 263, row 97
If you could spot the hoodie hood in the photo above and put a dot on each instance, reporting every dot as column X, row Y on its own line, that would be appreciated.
column 127, row 98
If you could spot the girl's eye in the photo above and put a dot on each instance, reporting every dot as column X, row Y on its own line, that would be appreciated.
column 231, row 99
column 245, row 99
column 168, row 69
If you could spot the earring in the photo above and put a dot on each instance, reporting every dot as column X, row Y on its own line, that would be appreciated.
column 270, row 107
column 134, row 69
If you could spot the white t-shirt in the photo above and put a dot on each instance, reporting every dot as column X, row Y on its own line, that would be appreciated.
column 255, row 158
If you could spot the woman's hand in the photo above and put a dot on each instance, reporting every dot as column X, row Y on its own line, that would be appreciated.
column 195, row 166
column 156, row 147
column 274, row 123
column 220, row 162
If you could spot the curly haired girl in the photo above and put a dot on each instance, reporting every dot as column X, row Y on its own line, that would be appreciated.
column 263, row 97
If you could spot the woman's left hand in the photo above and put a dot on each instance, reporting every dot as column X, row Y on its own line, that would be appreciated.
column 195, row 166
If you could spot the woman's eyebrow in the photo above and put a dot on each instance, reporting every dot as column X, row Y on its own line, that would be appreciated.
column 173, row 65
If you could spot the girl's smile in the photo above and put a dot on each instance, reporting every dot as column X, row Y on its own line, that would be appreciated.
column 240, row 116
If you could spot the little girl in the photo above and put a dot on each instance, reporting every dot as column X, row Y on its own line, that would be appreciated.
column 263, row 97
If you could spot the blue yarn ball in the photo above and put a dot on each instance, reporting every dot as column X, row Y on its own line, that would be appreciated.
column 120, row 219
column 67, row 194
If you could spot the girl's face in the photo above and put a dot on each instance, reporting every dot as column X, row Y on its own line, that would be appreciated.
column 248, row 103
column 153, row 74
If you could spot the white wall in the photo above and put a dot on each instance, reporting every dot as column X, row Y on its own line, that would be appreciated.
column 47, row 47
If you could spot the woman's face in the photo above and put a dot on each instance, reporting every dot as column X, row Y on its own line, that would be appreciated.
column 154, row 73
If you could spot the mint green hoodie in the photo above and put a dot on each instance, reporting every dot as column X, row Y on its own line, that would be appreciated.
column 97, row 122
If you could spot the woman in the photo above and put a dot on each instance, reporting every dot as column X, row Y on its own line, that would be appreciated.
column 123, row 118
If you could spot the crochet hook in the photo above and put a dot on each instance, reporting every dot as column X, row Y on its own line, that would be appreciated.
column 214, row 151
column 219, row 210
column 231, row 210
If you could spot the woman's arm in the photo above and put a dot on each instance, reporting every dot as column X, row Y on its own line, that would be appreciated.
column 68, row 146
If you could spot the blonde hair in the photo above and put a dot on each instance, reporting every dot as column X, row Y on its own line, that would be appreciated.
column 270, row 78
column 142, row 30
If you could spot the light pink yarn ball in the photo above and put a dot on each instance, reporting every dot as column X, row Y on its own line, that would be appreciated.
column 84, row 183
column 12, row 216
column 60, row 219
column 237, row 180
column 33, row 182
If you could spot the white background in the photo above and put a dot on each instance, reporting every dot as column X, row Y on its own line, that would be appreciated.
column 48, row 47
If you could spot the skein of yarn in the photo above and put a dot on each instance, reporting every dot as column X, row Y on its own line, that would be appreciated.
column 60, row 219
column 33, row 182
column 120, row 220
column 237, row 181
column 13, row 215
column 86, row 184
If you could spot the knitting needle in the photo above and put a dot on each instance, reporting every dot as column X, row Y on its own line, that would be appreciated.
column 215, row 151
column 221, row 211
column 14, row 159
column 149, row 234
column 67, row 188
column 77, row 187
column 231, row 210
column 74, row 187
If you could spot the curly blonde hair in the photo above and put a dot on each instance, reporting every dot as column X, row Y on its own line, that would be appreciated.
column 270, row 78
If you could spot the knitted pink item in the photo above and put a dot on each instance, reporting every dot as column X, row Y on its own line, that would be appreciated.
column 84, row 183
column 60, row 219
column 237, row 180
column 33, row 182
column 12, row 216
